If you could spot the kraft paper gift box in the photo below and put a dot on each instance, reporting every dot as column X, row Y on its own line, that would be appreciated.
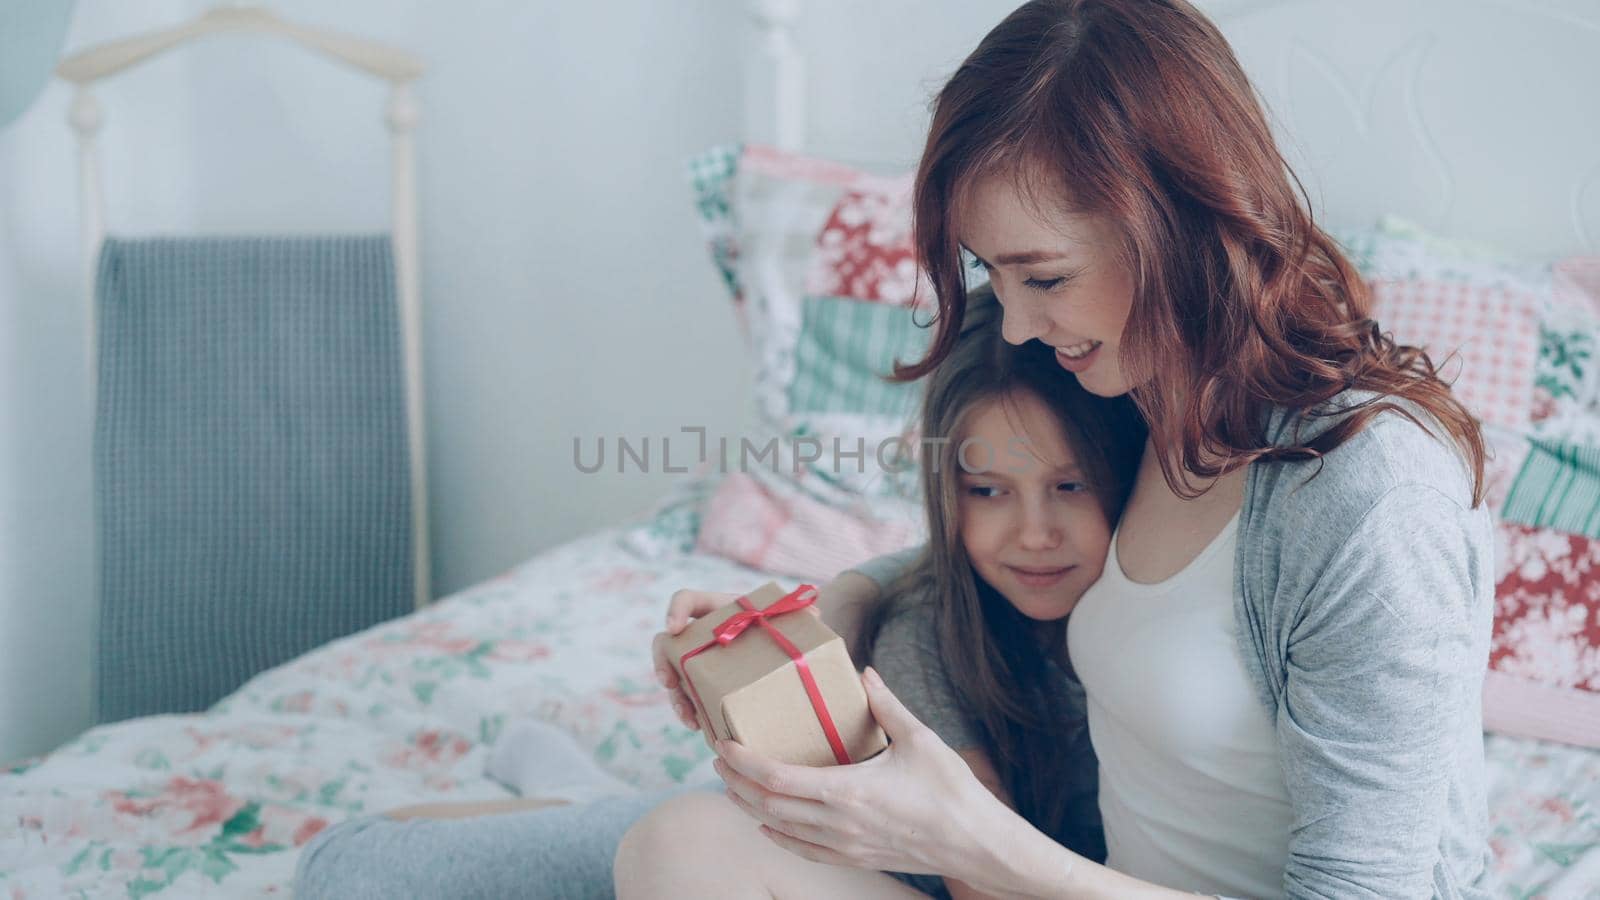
column 738, row 664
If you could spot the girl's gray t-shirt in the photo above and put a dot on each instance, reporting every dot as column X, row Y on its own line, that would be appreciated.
column 906, row 655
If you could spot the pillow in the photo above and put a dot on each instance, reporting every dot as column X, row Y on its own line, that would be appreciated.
column 1566, row 393
column 1526, row 335
column 1544, row 662
column 1477, row 315
column 818, row 259
column 669, row 528
column 1540, row 403
column 788, row 532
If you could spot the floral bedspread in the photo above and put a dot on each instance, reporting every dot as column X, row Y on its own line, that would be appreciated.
column 218, row 804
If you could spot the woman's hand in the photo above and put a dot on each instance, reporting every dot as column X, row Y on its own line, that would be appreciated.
column 916, row 807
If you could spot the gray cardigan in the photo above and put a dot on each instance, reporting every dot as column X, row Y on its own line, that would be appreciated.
column 1363, row 597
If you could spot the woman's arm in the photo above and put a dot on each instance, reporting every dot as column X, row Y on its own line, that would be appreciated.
column 978, row 762
column 906, row 656
column 1379, row 707
column 1088, row 880
column 1025, row 852
column 916, row 807
column 1022, row 863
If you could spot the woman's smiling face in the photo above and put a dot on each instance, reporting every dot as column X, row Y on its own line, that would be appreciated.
column 1058, row 278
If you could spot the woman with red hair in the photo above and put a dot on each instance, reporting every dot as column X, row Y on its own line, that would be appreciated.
column 1284, row 655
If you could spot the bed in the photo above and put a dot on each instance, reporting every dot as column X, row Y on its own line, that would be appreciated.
column 219, row 803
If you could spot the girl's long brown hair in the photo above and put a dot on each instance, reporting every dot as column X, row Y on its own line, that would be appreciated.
column 997, row 658
column 1137, row 111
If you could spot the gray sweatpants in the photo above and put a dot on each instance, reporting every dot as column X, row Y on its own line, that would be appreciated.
column 554, row 853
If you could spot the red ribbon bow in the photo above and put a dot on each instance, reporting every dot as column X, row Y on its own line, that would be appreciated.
column 738, row 623
column 799, row 599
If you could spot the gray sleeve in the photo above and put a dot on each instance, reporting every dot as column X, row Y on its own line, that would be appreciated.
column 885, row 569
column 1385, row 666
column 906, row 655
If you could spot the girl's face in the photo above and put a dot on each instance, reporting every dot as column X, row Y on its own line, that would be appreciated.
column 1057, row 277
column 1031, row 526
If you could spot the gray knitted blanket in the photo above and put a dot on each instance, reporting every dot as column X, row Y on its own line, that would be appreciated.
column 252, row 494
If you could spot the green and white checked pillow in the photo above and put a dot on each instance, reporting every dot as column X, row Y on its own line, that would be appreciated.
column 820, row 357
column 845, row 348
column 709, row 175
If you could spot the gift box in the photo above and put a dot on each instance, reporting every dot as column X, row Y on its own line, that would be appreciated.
column 766, row 672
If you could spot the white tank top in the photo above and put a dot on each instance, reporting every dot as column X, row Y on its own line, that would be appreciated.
column 1191, row 786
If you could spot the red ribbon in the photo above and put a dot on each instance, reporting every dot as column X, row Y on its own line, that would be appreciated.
column 736, row 624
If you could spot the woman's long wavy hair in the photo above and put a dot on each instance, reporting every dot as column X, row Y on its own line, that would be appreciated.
column 996, row 657
column 1137, row 111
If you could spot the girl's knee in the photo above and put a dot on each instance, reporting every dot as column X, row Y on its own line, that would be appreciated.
column 659, row 835
column 678, row 841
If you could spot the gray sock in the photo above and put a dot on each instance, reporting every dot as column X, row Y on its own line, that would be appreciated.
column 537, row 759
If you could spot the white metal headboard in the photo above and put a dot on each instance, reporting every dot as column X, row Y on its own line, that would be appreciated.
column 774, row 86
column 1476, row 119
column 397, row 67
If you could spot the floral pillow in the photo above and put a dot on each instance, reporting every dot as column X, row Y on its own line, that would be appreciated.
column 1544, row 662
column 1539, row 400
column 818, row 259
column 808, row 246
column 1566, row 393
column 792, row 534
column 1544, row 678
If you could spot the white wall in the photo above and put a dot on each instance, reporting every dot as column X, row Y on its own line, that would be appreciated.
column 566, row 290
column 47, row 614
column 565, row 286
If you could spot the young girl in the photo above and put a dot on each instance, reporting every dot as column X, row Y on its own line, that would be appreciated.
column 1019, row 503
column 1284, row 658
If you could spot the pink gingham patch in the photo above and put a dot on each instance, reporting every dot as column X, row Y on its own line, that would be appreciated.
column 1494, row 329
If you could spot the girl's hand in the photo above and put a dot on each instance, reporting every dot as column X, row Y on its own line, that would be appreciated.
column 916, row 807
column 685, row 606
